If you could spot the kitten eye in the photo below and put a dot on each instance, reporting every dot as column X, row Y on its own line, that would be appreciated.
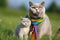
column 23, row 21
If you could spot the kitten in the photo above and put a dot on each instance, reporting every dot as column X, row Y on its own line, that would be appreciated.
column 37, row 11
column 23, row 28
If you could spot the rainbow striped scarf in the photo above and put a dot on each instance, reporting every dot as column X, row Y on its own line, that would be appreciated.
column 35, row 21
column 34, row 24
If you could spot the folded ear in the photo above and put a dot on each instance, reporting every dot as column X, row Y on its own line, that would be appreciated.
column 30, row 4
column 42, row 3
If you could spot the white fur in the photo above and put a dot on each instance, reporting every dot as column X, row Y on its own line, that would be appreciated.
column 45, row 28
column 24, row 32
column 23, row 28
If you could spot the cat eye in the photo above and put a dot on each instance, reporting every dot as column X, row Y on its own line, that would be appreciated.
column 33, row 7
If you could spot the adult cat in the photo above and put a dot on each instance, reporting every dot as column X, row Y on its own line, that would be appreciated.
column 37, row 12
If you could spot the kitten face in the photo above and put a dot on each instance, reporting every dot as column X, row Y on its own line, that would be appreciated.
column 25, row 21
column 37, row 9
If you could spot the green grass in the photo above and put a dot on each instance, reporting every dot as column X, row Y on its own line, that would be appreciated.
column 9, row 19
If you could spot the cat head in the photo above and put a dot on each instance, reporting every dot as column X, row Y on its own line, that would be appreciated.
column 25, row 21
column 37, row 9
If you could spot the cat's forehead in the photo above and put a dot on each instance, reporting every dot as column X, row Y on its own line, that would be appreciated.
column 37, row 4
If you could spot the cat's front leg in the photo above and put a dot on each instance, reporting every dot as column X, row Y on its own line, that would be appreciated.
column 21, row 36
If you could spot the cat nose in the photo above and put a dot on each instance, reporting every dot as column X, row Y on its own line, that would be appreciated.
column 37, row 9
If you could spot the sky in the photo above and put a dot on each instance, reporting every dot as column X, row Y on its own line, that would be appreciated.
column 16, row 3
column 58, row 3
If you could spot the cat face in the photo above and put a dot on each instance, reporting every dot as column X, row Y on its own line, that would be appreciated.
column 25, row 21
column 37, row 9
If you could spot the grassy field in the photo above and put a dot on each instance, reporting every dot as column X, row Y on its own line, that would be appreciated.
column 9, row 19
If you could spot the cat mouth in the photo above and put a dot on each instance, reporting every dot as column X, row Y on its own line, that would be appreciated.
column 36, row 14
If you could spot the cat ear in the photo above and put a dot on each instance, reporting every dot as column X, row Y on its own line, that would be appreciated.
column 43, row 3
column 21, row 17
column 30, row 4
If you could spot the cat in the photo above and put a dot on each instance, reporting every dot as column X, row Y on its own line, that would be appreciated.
column 23, row 28
column 37, row 11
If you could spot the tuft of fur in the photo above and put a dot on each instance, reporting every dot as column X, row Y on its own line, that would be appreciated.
column 23, row 28
column 38, row 11
column 58, row 32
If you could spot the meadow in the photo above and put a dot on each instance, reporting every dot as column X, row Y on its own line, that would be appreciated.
column 9, row 19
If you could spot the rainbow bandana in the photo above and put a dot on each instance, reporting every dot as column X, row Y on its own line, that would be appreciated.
column 34, row 24
column 37, row 21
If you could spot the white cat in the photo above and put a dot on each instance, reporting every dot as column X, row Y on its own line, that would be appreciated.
column 23, row 28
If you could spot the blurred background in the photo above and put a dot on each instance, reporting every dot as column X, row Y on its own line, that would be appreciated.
column 11, row 10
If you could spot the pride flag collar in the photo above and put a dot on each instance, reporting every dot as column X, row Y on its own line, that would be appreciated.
column 37, row 21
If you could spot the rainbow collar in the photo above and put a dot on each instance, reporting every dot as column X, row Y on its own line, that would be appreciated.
column 36, row 21
column 39, row 21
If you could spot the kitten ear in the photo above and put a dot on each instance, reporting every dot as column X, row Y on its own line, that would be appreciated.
column 30, row 4
column 42, row 3
column 21, row 17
